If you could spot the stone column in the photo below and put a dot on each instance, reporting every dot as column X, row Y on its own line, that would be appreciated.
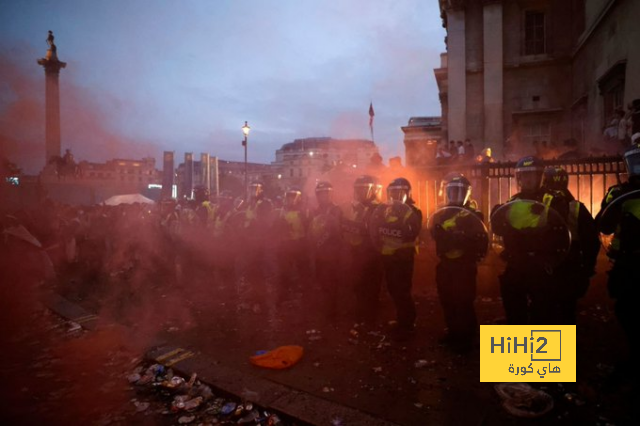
column 493, row 76
column 205, row 169
column 52, row 67
column 214, row 175
column 187, row 190
column 168, row 173
column 457, row 74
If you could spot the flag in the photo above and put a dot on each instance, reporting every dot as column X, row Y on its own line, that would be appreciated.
column 371, row 115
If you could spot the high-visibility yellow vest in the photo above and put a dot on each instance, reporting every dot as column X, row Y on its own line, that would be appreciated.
column 391, row 244
column 451, row 224
column 521, row 217
column 296, row 224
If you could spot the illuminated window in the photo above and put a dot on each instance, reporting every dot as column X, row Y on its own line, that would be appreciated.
column 534, row 33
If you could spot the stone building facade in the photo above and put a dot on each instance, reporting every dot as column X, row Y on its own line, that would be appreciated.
column 520, row 72
column 308, row 158
column 421, row 138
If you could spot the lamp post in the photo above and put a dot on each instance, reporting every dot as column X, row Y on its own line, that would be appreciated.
column 245, row 130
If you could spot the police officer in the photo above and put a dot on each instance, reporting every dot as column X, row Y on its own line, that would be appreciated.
column 203, row 207
column 326, row 245
column 396, row 226
column 365, row 267
column 292, row 256
column 461, row 241
column 531, row 231
column 257, row 219
column 620, row 216
column 575, row 272
column 224, row 243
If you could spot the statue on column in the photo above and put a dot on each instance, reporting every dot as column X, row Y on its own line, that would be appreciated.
column 50, row 39
column 52, row 45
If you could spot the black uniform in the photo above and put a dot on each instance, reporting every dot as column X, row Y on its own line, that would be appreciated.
column 574, row 274
column 526, row 286
column 398, row 255
column 459, row 247
column 366, row 263
column 327, row 245
column 624, row 276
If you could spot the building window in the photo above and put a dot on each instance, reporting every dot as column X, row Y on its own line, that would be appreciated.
column 300, row 172
column 611, row 86
column 534, row 33
column 535, row 132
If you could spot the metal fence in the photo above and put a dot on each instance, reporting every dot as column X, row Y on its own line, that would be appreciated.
column 494, row 183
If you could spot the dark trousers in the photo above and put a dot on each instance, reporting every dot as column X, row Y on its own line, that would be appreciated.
column 398, row 272
column 572, row 284
column 456, row 283
column 328, row 281
column 293, row 268
column 528, row 296
column 624, row 287
column 366, row 276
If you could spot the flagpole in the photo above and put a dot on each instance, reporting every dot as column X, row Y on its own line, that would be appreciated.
column 371, row 115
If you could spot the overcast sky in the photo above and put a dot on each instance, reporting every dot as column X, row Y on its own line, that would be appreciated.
column 147, row 76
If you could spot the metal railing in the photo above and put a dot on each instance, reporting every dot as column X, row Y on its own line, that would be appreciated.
column 494, row 183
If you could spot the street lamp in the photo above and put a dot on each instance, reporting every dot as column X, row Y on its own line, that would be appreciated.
column 245, row 130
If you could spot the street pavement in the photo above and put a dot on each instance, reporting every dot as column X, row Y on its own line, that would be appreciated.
column 347, row 369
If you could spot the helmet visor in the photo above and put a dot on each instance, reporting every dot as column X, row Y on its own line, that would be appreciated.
column 530, row 180
column 292, row 198
column 457, row 194
column 398, row 194
column 632, row 161
column 255, row 190
column 324, row 196
column 363, row 192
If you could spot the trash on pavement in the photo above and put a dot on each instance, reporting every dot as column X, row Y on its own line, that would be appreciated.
column 521, row 400
column 228, row 408
column 186, row 419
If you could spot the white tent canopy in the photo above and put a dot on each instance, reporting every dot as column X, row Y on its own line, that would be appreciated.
column 127, row 199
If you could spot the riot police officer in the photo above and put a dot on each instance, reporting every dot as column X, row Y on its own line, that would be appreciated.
column 394, row 229
column 290, row 226
column 365, row 262
column 224, row 243
column 461, row 241
column 203, row 207
column 326, row 246
column 256, row 238
column 575, row 272
column 535, row 236
column 620, row 216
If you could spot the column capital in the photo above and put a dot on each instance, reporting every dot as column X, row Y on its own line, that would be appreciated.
column 51, row 66
column 453, row 5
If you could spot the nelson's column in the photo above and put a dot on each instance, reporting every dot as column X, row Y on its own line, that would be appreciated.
column 52, row 67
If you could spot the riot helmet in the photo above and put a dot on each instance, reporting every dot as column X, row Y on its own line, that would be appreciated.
column 366, row 189
column 632, row 162
column 324, row 193
column 292, row 197
column 529, row 174
column 457, row 191
column 399, row 190
column 200, row 194
column 447, row 178
column 555, row 178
